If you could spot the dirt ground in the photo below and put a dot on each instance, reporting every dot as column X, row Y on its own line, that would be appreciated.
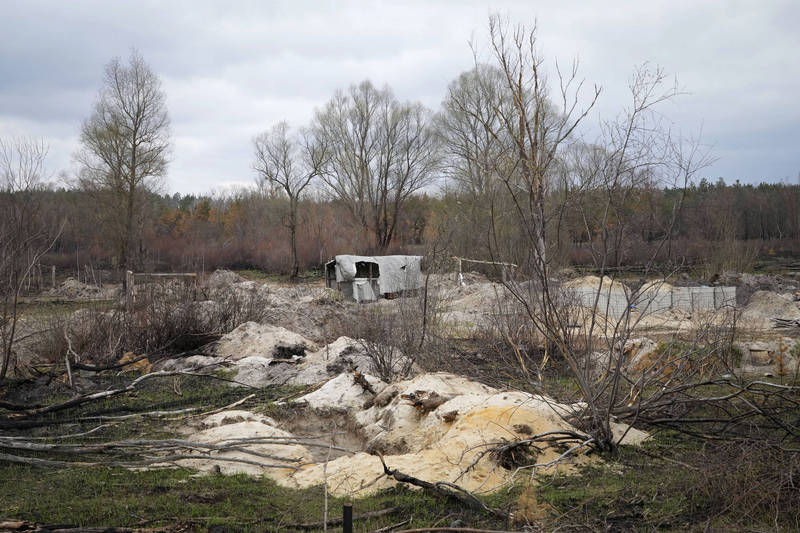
column 432, row 425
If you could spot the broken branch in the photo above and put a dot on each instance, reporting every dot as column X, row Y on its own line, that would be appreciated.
column 338, row 521
column 442, row 488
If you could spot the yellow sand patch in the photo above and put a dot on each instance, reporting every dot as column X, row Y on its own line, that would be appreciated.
column 451, row 443
column 143, row 365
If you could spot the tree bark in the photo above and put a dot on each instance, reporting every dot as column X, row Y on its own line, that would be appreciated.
column 293, row 232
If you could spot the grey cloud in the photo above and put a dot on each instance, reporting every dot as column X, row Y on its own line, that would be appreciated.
column 232, row 69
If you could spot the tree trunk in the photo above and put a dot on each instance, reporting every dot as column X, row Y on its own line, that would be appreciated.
column 127, row 263
column 293, row 236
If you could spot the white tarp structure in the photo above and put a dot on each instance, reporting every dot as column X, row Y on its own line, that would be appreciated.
column 366, row 278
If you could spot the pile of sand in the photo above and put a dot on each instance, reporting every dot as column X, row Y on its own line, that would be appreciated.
column 478, row 298
column 263, row 340
column 229, row 428
column 764, row 306
column 223, row 278
column 592, row 282
column 298, row 308
column 670, row 319
column 440, row 439
column 76, row 290
column 263, row 354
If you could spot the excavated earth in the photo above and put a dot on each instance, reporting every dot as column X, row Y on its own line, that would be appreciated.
column 445, row 439
column 434, row 426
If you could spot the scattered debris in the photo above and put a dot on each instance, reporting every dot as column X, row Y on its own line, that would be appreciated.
column 425, row 401
column 342, row 393
column 133, row 362
column 359, row 379
column 73, row 289
column 764, row 306
column 448, row 442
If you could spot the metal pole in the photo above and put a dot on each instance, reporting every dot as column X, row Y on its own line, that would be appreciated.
column 347, row 518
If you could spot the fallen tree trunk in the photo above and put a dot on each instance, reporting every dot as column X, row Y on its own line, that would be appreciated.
column 35, row 461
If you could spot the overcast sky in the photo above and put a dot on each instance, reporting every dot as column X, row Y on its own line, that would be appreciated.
column 232, row 69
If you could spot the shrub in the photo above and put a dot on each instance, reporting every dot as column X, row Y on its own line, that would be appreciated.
column 163, row 322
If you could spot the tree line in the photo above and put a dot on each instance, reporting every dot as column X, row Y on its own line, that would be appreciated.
column 246, row 229
column 502, row 169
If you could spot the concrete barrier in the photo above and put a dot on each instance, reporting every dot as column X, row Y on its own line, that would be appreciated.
column 614, row 301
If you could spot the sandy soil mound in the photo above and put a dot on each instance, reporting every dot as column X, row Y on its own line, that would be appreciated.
column 435, row 427
column 764, row 306
column 263, row 340
column 302, row 308
column 343, row 354
column 306, row 308
column 223, row 278
column 747, row 284
column 76, row 290
column 475, row 303
column 270, row 355
column 274, row 456
column 592, row 282
column 342, row 393
column 672, row 319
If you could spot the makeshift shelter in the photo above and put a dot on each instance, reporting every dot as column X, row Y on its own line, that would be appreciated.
column 367, row 278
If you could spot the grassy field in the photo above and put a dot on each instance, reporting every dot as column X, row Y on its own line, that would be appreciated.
column 670, row 485
column 673, row 483
column 180, row 498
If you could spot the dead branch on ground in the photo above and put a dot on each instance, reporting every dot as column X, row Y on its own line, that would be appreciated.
column 392, row 527
column 12, row 525
column 338, row 521
column 79, row 400
column 444, row 489
column 451, row 530
column 501, row 449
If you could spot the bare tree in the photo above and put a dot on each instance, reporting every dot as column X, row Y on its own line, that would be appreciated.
column 382, row 152
column 471, row 135
column 125, row 145
column 289, row 162
column 547, row 172
column 596, row 183
column 470, row 128
column 534, row 128
column 23, row 236
column 604, row 181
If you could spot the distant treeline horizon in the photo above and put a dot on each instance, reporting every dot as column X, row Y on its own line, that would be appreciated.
column 719, row 227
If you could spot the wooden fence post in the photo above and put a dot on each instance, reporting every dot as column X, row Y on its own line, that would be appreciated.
column 130, row 289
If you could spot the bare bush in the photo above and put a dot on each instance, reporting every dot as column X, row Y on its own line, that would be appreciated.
column 599, row 183
column 383, row 334
column 24, row 238
column 163, row 323
column 398, row 333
